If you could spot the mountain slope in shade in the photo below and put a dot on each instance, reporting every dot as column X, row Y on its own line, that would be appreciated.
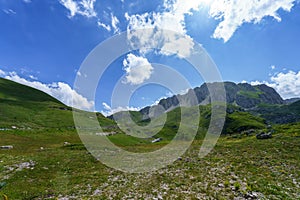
column 279, row 114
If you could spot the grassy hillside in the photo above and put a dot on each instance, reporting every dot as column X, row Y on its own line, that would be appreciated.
column 28, row 108
column 236, row 122
column 279, row 114
column 13, row 91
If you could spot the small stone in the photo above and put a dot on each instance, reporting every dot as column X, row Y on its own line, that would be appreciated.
column 6, row 147
column 66, row 143
column 97, row 192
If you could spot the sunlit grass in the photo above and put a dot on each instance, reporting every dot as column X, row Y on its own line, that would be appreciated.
column 235, row 167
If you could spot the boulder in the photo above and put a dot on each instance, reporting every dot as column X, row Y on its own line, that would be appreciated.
column 264, row 135
column 248, row 132
column 156, row 140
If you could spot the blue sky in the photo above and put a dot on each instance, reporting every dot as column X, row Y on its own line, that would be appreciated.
column 43, row 43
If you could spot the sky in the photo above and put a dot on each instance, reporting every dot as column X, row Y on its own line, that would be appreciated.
column 43, row 44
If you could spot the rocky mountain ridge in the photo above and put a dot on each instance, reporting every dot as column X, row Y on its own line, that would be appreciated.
column 260, row 100
column 242, row 94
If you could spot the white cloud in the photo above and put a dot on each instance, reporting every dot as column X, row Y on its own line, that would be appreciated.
column 2, row 73
column 106, row 106
column 78, row 73
column 83, row 7
column 273, row 67
column 138, row 69
column 105, row 26
column 286, row 84
column 234, row 13
column 59, row 90
column 256, row 82
column 33, row 77
column 109, row 111
column 114, row 23
column 231, row 13
column 9, row 11
column 27, row 1
column 174, row 40
column 71, row 6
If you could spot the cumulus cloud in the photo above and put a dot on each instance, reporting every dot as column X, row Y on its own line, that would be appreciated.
column 176, row 40
column 83, row 7
column 109, row 111
column 286, row 84
column 138, row 69
column 231, row 13
column 58, row 90
column 234, row 13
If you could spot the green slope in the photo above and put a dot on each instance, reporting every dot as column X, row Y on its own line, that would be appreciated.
column 13, row 91
column 29, row 108
column 236, row 121
column 279, row 114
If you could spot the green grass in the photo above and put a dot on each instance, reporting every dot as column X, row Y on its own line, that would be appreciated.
column 250, row 94
column 240, row 121
column 270, row 168
column 13, row 91
column 27, row 108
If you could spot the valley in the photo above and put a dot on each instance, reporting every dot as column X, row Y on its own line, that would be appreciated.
column 49, row 161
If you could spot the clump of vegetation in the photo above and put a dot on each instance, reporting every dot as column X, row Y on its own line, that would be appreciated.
column 2, row 184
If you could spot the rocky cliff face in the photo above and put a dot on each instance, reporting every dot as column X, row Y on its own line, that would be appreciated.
column 242, row 94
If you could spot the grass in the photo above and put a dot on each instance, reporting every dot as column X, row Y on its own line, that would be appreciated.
column 27, row 108
column 235, row 167
column 250, row 94
column 240, row 121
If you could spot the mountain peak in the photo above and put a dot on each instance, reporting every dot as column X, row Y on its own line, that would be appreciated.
column 244, row 95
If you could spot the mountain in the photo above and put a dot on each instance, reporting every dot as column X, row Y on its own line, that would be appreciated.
column 278, row 113
column 248, row 107
column 243, row 94
column 292, row 100
column 24, row 107
column 259, row 100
